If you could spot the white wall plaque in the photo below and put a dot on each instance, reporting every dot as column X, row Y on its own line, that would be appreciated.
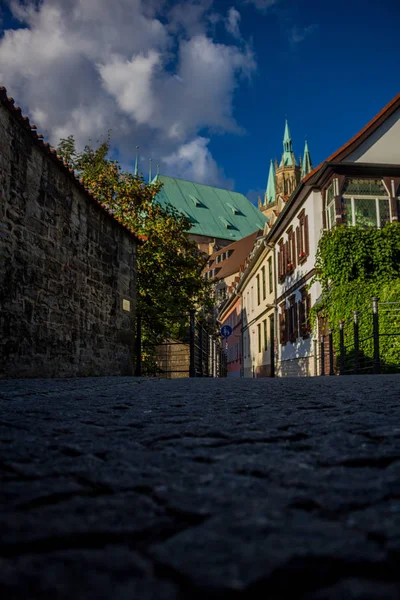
column 126, row 305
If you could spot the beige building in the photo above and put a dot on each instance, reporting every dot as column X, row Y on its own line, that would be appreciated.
column 256, row 289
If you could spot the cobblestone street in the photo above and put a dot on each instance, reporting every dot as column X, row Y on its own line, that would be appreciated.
column 120, row 488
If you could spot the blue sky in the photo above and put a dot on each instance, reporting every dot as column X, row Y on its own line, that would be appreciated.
column 203, row 87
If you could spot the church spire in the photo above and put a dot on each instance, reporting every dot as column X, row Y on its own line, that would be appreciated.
column 288, row 157
column 137, row 162
column 287, row 140
column 307, row 164
column 270, row 193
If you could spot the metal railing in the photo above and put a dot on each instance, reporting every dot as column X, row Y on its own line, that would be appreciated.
column 181, row 346
column 368, row 342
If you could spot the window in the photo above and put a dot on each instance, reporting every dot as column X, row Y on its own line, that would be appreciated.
column 291, row 250
column 330, row 207
column 252, row 298
column 282, row 324
column 258, row 290
column 264, row 283
column 265, row 334
column 281, row 272
column 365, row 203
column 259, row 337
column 302, row 237
column 293, row 321
column 304, row 314
column 271, row 283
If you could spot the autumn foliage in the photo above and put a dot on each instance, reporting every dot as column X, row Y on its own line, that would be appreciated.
column 169, row 265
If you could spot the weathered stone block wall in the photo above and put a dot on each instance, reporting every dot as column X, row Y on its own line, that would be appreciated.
column 66, row 266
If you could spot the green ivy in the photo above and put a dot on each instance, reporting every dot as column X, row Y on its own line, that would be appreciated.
column 354, row 264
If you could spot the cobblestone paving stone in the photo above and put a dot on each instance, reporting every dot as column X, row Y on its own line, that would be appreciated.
column 120, row 488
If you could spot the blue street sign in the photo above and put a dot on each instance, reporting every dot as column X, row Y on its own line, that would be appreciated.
column 226, row 331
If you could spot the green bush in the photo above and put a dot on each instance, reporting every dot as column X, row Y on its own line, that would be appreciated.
column 354, row 264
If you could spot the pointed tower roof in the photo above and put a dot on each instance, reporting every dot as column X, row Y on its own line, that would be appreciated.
column 288, row 158
column 286, row 136
column 137, row 162
column 307, row 164
column 270, row 193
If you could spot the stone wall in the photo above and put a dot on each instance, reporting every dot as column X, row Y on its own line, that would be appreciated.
column 67, row 268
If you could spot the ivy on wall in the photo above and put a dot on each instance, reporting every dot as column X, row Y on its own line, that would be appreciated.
column 354, row 264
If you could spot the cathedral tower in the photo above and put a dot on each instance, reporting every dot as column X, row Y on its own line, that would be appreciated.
column 288, row 174
column 284, row 177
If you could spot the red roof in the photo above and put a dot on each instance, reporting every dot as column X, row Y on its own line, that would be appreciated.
column 362, row 135
column 239, row 253
column 37, row 138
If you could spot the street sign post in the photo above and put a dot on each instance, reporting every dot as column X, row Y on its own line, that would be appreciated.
column 226, row 331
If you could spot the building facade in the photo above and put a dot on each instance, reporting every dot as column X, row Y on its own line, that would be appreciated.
column 251, row 351
column 358, row 185
column 231, row 315
column 224, row 266
column 257, row 290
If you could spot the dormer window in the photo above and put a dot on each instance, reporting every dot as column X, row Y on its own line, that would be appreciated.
column 233, row 208
column 196, row 201
column 226, row 223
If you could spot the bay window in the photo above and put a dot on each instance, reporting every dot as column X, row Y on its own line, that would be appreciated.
column 365, row 203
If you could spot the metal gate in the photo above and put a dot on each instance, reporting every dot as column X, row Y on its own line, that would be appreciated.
column 179, row 346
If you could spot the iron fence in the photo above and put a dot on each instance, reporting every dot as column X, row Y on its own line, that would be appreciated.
column 368, row 342
column 178, row 346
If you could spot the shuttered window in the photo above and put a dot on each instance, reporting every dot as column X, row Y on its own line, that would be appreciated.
column 304, row 306
column 302, row 235
column 282, row 324
column 264, row 283
column 293, row 319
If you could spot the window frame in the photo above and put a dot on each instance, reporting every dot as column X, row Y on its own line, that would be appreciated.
column 264, row 282
column 265, row 334
column 303, row 244
column 354, row 197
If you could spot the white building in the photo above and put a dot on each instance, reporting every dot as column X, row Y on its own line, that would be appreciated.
column 357, row 185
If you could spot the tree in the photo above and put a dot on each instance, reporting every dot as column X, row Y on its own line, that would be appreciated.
column 169, row 263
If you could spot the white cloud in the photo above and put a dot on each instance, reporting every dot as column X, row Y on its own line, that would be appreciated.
column 157, row 77
column 120, row 78
column 194, row 159
column 232, row 22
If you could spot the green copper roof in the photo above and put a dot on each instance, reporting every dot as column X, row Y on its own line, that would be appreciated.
column 288, row 158
column 213, row 211
column 270, row 193
column 307, row 164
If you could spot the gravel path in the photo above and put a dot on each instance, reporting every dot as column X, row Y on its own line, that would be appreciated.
column 120, row 488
